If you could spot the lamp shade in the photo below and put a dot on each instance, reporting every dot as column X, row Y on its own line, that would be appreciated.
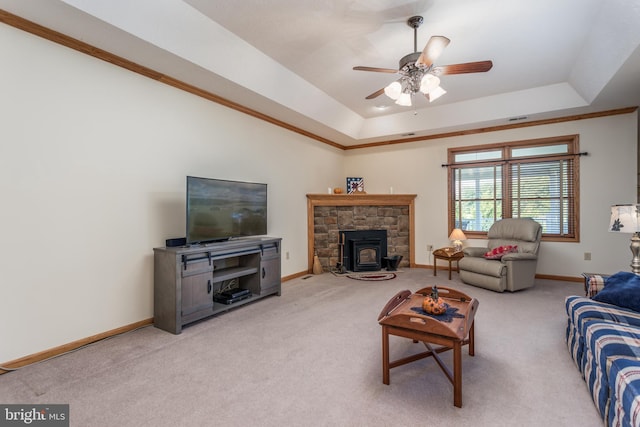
column 624, row 219
column 457, row 234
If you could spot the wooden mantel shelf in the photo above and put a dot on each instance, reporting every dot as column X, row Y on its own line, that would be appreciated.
column 314, row 200
column 360, row 199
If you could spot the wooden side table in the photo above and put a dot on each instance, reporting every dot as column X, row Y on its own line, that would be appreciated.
column 447, row 254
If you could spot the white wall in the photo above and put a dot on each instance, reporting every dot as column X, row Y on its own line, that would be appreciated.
column 608, row 176
column 93, row 160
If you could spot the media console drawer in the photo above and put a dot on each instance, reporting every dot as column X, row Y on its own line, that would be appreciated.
column 271, row 251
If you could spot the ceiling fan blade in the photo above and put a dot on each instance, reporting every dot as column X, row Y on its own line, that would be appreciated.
column 375, row 94
column 377, row 70
column 432, row 50
column 468, row 67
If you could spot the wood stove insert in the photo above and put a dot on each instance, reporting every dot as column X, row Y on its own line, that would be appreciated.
column 363, row 250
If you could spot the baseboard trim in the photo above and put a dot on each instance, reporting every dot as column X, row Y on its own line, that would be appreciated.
column 439, row 267
column 561, row 278
column 538, row 276
column 65, row 348
column 295, row 276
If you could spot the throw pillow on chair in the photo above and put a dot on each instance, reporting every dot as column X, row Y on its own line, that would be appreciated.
column 500, row 251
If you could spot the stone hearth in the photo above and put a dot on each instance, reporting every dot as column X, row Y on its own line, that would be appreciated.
column 330, row 214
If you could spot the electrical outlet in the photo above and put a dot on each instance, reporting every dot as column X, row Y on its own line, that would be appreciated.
column 587, row 256
column 429, row 248
column 286, row 255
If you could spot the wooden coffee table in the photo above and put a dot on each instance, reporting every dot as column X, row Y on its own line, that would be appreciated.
column 447, row 254
column 399, row 317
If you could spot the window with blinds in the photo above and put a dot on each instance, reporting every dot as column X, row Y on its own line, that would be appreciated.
column 525, row 179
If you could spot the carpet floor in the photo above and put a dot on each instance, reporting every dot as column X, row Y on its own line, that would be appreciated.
column 312, row 357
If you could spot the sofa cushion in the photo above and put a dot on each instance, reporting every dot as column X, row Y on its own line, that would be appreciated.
column 621, row 289
column 580, row 310
column 605, row 342
column 487, row 267
column 624, row 391
column 500, row 251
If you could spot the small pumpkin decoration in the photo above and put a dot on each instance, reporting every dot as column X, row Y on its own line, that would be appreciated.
column 337, row 190
column 433, row 304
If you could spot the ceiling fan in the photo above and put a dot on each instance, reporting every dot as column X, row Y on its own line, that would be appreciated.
column 418, row 72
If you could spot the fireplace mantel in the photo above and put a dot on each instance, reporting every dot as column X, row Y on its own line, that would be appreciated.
column 360, row 199
column 314, row 200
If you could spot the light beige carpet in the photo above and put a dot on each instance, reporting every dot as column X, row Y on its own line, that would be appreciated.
column 312, row 357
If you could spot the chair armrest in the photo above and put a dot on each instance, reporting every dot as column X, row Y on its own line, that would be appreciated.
column 474, row 251
column 520, row 256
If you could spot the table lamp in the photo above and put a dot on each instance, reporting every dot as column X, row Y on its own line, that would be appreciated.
column 456, row 238
column 624, row 219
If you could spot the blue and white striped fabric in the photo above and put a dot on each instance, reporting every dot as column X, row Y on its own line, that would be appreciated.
column 575, row 342
column 624, row 408
column 581, row 309
column 604, row 342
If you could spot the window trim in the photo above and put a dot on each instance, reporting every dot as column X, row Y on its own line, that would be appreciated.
column 573, row 143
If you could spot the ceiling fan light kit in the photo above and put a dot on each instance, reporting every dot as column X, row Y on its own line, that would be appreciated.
column 394, row 90
column 404, row 99
column 417, row 70
column 428, row 83
column 435, row 94
column 414, row 78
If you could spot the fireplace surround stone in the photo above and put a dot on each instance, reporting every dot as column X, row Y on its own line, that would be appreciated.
column 329, row 214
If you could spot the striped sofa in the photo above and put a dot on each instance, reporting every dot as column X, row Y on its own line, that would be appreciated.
column 624, row 408
column 604, row 342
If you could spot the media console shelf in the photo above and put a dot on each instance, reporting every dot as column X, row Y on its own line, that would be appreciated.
column 187, row 278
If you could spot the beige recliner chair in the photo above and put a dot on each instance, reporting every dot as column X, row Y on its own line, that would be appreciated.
column 515, row 270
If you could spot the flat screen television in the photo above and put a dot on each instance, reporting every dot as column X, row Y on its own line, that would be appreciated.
column 219, row 209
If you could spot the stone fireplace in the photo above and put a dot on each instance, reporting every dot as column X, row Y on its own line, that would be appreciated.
column 329, row 215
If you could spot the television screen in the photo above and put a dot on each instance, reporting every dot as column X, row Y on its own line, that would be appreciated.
column 220, row 209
